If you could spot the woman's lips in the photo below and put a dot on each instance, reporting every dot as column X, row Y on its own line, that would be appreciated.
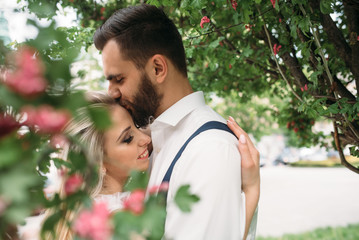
column 144, row 155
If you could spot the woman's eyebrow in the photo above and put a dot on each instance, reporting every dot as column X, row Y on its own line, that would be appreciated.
column 123, row 132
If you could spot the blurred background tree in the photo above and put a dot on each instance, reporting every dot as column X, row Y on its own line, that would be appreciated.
column 299, row 57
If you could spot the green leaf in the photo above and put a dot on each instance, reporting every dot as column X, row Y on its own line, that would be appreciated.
column 9, row 151
column 100, row 116
column 137, row 180
column 60, row 162
column 214, row 44
column 50, row 223
column 247, row 51
column 78, row 160
column 326, row 6
column 43, row 9
column 333, row 108
column 154, row 219
column 74, row 100
column 17, row 213
column 184, row 199
column 15, row 183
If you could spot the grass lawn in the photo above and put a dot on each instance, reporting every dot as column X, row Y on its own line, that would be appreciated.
column 330, row 162
column 351, row 232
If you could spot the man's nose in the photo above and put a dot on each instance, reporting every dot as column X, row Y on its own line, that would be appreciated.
column 114, row 92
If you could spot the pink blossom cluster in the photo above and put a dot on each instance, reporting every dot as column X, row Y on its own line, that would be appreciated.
column 273, row 3
column 95, row 223
column 7, row 124
column 276, row 48
column 249, row 26
column 28, row 79
column 73, row 183
column 204, row 20
column 135, row 202
column 46, row 118
column 234, row 4
column 58, row 140
column 305, row 88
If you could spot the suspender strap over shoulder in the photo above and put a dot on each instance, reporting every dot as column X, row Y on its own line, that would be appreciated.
column 204, row 127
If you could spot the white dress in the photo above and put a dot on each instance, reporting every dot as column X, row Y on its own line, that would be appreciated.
column 114, row 201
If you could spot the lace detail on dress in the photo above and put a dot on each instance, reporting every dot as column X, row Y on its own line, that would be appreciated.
column 114, row 201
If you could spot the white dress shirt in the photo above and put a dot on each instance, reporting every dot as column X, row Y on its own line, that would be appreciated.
column 211, row 165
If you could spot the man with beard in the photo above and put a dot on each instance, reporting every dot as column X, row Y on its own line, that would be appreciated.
column 144, row 62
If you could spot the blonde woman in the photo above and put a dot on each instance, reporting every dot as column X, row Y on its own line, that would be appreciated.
column 122, row 148
column 116, row 151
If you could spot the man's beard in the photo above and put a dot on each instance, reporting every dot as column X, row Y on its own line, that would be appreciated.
column 145, row 104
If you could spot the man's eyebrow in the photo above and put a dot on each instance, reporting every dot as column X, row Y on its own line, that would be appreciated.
column 123, row 132
column 111, row 76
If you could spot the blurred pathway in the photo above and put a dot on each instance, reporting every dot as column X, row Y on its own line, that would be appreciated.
column 295, row 200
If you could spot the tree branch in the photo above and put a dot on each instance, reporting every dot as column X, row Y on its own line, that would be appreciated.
column 233, row 48
column 339, row 87
column 353, row 26
column 336, row 37
column 340, row 150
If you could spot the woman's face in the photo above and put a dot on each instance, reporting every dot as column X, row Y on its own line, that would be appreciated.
column 126, row 147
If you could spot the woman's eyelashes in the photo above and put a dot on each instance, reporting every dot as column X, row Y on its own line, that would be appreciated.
column 128, row 139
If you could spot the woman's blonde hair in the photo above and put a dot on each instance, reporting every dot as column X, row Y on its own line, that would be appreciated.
column 91, row 141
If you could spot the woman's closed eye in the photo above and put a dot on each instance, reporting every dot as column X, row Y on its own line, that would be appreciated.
column 128, row 139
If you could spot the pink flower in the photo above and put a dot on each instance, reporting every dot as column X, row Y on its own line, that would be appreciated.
column 58, row 141
column 163, row 187
column 73, row 184
column 135, row 202
column 94, row 224
column 46, row 118
column 276, row 48
column 280, row 20
column 7, row 124
column 230, row 66
column 358, row 38
column 305, row 88
column 273, row 3
column 205, row 19
column 249, row 26
column 28, row 79
column 234, row 4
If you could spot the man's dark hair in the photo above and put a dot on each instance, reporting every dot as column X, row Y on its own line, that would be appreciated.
column 141, row 32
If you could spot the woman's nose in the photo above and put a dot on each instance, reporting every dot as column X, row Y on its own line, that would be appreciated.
column 145, row 139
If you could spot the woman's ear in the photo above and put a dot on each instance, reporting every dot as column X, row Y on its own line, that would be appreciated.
column 160, row 68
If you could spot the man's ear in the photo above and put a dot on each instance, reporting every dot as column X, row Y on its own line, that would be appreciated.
column 159, row 67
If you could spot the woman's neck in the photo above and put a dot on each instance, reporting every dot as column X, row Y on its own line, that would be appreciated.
column 111, row 185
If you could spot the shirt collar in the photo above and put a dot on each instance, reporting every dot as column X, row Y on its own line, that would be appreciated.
column 180, row 109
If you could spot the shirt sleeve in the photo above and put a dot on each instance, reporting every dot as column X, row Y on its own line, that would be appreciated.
column 211, row 165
